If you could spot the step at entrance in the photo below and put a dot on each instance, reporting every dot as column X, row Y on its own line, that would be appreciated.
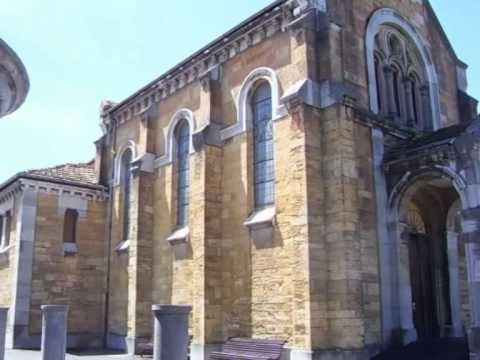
column 438, row 349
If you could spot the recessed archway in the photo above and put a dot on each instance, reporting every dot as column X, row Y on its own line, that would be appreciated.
column 425, row 258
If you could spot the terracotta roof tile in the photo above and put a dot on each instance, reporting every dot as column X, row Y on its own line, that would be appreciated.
column 80, row 173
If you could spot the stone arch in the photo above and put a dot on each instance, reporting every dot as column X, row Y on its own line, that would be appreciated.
column 396, row 250
column 244, row 118
column 129, row 145
column 388, row 16
column 169, row 149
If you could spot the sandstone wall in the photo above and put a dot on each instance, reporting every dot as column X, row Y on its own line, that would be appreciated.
column 76, row 280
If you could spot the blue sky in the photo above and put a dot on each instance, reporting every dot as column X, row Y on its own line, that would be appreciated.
column 79, row 52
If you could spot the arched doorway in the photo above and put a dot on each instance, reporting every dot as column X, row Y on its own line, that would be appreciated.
column 427, row 261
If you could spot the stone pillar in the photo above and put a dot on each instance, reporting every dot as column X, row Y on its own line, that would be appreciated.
column 54, row 332
column 19, row 321
column 454, row 281
column 205, row 227
column 3, row 328
column 407, row 83
column 391, row 106
column 406, row 332
column 170, row 339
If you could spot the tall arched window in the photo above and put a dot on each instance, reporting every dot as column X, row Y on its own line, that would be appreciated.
column 264, row 171
column 182, row 167
column 126, row 183
column 70, row 226
column 401, row 98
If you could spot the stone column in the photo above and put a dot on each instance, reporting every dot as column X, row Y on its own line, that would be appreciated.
column 406, row 332
column 407, row 83
column 3, row 328
column 391, row 106
column 454, row 281
column 170, row 339
column 54, row 332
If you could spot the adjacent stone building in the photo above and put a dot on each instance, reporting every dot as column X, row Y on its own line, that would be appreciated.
column 313, row 175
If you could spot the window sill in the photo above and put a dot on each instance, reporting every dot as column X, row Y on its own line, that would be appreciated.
column 260, row 225
column 179, row 242
column 179, row 236
column 70, row 249
column 122, row 247
column 4, row 255
column 5, row 249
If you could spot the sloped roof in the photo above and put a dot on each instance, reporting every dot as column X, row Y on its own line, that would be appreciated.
column 79, row 173
column 442, row 136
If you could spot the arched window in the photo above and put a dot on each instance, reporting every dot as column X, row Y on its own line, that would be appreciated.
column 182, row 167
column 398, row 94
column 5, row 229
column 70, row 226
column 126, row 183
column 264, row 172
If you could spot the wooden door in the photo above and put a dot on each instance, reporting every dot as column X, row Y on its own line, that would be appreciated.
column 423, row 290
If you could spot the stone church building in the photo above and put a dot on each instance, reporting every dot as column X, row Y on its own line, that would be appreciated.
column 313, row 175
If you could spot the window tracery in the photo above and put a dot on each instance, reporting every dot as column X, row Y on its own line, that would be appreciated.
column 401, row 79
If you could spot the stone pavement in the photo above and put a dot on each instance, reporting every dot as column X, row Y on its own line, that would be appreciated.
column 35, row 355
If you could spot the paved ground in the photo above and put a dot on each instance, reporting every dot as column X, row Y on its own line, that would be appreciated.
column 445, row 349
column 35, row 355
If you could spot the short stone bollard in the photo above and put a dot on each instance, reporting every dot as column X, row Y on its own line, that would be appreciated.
column 3, row 330
column 54, row 332
column 170, row 338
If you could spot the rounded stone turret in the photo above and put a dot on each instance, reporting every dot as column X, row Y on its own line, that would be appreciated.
column 14, row 83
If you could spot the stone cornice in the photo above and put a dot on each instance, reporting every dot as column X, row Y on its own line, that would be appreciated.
column 263, row 25
column 43, row 186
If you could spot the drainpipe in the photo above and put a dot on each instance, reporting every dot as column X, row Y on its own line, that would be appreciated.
column 109, row 235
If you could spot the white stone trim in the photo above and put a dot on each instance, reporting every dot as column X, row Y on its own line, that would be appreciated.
column 169, row 136
column 46, row 187
column 244, row 118
column 70, row 248
column 388, row 16
column 129, row 145
column 122, row 246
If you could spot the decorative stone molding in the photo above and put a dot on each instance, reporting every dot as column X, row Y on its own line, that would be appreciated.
column 129, row 145
column 169, row 141
column 318, row 95
column 14, row 83
column 387, row 16
column 44, row 186
column 244, row 118
column 179, row 241
column 273, row 20
column 261, row 225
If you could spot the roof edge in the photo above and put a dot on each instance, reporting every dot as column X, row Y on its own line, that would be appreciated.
column 204, row 49
column 47, row 179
